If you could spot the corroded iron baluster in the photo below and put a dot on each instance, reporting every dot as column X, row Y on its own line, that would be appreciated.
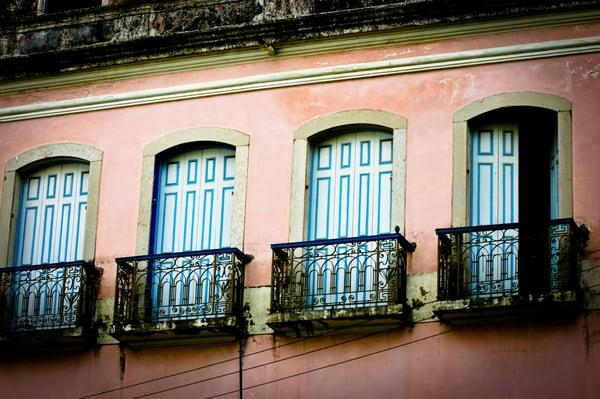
column 139, row 291
column 333, row 274
column 185, row 284
column 37, row 302
column 232, row 295
column 211, row 285
column 460, row 264
column 48, row 316
column 399, row 269
column 293, row 288
column 276, row 283
column 348, row 277
column 377, row 270
column 61, row 316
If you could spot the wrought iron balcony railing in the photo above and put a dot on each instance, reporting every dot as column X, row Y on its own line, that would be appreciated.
column 196, row 285
column 341, row 273
column 507, row 260
column 47, row 298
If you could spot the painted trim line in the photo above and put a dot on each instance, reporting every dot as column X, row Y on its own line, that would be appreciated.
column 304, row 77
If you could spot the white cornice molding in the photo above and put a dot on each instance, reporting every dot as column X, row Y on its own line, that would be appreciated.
column 411, row 35
column 305, row 77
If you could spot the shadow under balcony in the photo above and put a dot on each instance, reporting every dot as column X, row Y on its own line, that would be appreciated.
column 180, row 298
column 47, row 307
column 508, row 271
column 339, row 285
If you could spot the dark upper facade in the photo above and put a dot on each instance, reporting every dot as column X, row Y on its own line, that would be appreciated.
column 41, row 37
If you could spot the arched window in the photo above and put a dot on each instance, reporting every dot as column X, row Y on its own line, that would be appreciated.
column 384, row 137
column 48, row 237
column 183, row 163
column 189, row 266
column 513, row 180
column 348, row 189
column 512, row 202
column 49, row 209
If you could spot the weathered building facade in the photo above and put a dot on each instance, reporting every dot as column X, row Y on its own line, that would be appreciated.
column 288, row 198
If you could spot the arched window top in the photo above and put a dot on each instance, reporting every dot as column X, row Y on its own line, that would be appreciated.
column 350, row 119
column 516, row 99
column 191, row 136
column 193, row 146
column 339, row 131
column 53, row 152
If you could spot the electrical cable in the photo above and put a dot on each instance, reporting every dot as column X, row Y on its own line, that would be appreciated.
column 266, row 364
column 289, row 357
column 329, row 332
column 306, row 371
column 311, row 370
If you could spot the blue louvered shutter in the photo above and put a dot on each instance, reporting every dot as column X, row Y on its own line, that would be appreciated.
column 350, row 195
column 494, row 186
column 193, row 212
column 52, row 212
column 350, row 189
column 194, row 201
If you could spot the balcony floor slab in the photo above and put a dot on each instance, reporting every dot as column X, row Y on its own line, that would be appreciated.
column 340, row 321
column 499, row 309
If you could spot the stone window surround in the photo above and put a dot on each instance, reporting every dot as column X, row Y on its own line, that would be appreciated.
column 35, row 158
column 343, row 120
column 219, row 135
column 460, row 186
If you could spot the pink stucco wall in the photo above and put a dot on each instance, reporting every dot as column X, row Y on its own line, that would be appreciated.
column 519, row 360
column 526, row 359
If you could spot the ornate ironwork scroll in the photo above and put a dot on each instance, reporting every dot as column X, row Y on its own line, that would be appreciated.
column 340, row 273
column 47, row 297
column 507, row 260
column 179, row 286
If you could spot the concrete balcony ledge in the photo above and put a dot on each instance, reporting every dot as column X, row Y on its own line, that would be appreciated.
column 337, row 321
column 507, row 308
column 47, row 341
column 181, row 332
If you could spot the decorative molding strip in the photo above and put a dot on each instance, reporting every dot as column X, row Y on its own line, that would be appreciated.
column 303, row 48
column 305, row 77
